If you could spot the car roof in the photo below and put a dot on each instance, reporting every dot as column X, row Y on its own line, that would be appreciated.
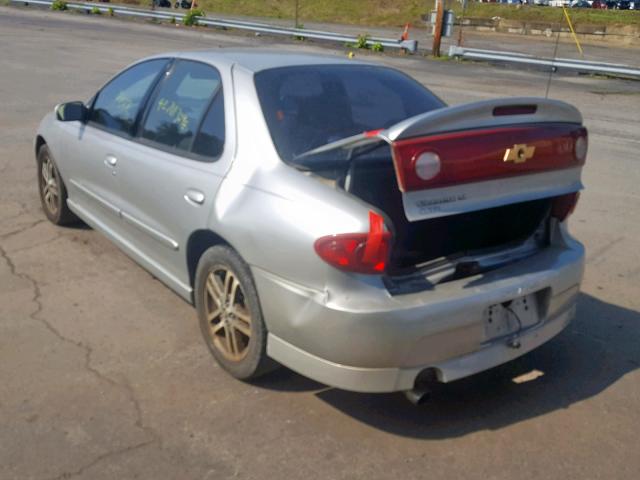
column 257, row 59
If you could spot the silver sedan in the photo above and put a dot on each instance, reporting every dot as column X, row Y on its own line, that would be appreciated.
column 329, row 215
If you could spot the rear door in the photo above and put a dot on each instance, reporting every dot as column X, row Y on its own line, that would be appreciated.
column 172, row 173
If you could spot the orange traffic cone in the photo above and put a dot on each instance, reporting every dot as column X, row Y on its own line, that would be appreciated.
column 405, row 33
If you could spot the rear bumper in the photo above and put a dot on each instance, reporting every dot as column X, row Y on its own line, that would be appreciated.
column 367, row 340
column 395, row 379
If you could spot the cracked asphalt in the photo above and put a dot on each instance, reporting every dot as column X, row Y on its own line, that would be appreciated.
column 103, row 373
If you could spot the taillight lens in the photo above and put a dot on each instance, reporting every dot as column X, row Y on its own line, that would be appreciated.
column 564, row 205
column 357, row 252
column 445, row 159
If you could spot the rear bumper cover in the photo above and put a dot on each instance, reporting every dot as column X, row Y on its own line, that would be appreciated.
column 395, row 379
column 370, row 341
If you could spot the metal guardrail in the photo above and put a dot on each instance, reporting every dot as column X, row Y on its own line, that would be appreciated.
column 570, row 64
column 409, row 45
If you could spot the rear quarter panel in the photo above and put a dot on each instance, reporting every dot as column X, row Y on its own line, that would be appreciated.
column 272, row 213
column 274, row 222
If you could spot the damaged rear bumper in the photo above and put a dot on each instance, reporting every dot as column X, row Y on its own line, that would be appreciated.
column 402, row 379
column 359, row 337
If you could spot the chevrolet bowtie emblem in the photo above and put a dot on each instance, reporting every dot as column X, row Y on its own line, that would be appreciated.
column 519, row 153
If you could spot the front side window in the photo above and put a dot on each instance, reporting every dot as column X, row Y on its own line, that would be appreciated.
column 118, row 103
column 177, row 109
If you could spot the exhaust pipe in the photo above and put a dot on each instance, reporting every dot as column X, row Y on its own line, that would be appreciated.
column 422, row 387
column 417, row 396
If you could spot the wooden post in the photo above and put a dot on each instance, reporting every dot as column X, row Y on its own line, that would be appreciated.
column 437, row 33
column 297, row 4
column 464, row 7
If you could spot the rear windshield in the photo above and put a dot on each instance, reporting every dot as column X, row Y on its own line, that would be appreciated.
column 309, row 106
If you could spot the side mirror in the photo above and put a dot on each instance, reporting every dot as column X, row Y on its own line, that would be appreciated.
column 71, row 112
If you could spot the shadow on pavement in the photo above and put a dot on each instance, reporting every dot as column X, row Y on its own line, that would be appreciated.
column 79, row 225
column 595, row 351
column 285, row 380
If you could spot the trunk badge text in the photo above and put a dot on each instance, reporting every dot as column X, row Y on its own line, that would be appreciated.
column 519, row 153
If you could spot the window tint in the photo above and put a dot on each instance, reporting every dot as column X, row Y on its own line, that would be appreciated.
column 119, row 102
column 375, row 103
column 306, row 107
column 181, row 100
column 210, row 139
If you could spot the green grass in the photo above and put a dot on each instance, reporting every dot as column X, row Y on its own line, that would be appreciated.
column 359, row 12
column 191, row 17
column 398, row 12
column 59, row 5
column 549, row 14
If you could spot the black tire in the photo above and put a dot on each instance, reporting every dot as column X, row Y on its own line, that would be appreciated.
column 216, row 262
column 54, row 206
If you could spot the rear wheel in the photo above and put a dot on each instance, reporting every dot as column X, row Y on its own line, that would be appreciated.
column 229, row 313
column 53, row 193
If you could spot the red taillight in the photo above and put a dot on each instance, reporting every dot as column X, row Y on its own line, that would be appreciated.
column 564, row 205
column 469, row 156
column 514, row 110
column 357, row 252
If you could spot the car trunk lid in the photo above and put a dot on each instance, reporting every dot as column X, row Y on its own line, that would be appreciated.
column 489, row 153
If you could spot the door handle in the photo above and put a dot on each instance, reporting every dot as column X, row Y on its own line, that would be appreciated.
column 110, row 161
column 194, row 197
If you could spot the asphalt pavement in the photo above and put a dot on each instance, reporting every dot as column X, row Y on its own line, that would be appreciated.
column 104, row 375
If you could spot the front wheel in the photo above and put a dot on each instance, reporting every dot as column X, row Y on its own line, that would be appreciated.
column 53, row 193
column 230, row 315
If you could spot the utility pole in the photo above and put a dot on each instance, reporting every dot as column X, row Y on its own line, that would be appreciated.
column 437, row 33
column 297, row 4
column 464, row 8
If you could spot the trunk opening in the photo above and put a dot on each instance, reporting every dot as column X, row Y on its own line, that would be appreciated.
column 431, row 251
column 464, row 189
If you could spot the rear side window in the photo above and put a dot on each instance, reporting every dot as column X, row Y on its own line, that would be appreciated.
column 209, row 141
column 309, row 106
column 118, row 103
column 178, row 108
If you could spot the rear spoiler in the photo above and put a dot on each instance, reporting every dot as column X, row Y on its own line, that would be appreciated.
column 481, row 155
column 486, row 113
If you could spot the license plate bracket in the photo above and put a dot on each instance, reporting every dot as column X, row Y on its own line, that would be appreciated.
column 507, row 318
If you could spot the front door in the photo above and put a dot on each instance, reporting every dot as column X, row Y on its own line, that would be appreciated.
column 95, row 149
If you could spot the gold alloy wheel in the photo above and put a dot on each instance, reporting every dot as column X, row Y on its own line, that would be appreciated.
column 50, row 188
column 227, row 314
